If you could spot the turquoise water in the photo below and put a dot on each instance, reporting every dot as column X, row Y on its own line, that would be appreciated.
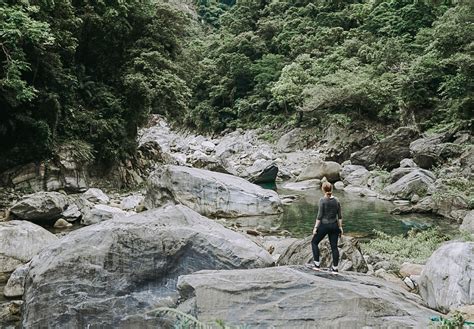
column 361, row 216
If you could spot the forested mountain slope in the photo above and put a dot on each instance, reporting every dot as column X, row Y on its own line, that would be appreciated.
column 390, row 61
column 86, row 74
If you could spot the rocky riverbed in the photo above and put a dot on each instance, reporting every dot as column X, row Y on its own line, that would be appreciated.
column 193, row 205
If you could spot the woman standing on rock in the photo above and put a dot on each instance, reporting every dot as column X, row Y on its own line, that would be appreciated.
column 328, row 222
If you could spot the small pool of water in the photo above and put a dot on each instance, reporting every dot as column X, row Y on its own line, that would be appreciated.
column 361, row 216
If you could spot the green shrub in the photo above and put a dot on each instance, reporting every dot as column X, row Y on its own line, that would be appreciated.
column 415, row 247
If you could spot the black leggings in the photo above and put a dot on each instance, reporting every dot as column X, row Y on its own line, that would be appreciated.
column 326, row 229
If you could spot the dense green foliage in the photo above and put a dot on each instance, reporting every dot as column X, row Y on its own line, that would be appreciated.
column 416, row 247
column 87, row 71
column 390, row 61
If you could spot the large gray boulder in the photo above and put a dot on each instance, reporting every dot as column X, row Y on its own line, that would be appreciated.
column 262, row 171
column 348, row 169
column 447, row 280
column 98, row 275
column 291, row 141
column 297, row 297
column 319, row 169
column 100, row 212
column 416, row 182
column 435, row 149
column 210, row 193
column 468, row 222
column 388, row 152
column 451, row 206
column 96, row 195
column 398, row 173
column 40, row 206
column 20, row 241
column 350, row 255
column 359, row 177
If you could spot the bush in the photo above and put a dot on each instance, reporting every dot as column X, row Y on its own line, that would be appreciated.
column 415, row 247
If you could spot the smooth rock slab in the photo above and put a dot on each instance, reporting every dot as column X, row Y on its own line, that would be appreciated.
column 447, row 280
column 296, row 297
column 210, row 193
column 102, row 273
column 20, row 241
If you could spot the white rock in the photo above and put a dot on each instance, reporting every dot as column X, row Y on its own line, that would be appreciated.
column 101, row 213
column 415, row 198
column 408, row 269
column 319, row 169
column 16, row 283
column 415, row 182
column 20, row 241
column 262, row 154
column 468, row 222
column 401, row 202
column 71, row 213
column 447, row 280
column 62, row 223
column 304, row 185
column 131, row 202
column 347, row 169
column 410, row 284
column 40, row 206
column 208, row 147
column 359, row 177
column 179, row 158
column 96, row 195
column 339, row 185
column 210, row 193
column 408, row 163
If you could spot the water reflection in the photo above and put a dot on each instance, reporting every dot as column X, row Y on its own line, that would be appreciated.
column 361, row 215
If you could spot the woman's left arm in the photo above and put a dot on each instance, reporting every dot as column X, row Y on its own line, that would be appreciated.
column 316, row 225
